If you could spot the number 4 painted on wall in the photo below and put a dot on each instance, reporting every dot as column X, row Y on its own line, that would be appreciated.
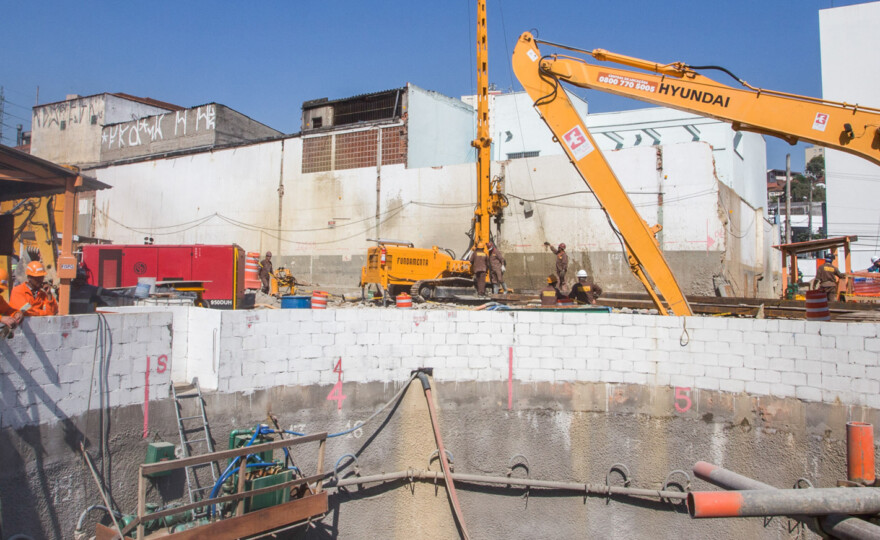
column 336, row 392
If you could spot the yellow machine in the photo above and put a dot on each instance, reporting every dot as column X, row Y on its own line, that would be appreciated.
column 845, row 127
column 34, row 217
column 394, row 267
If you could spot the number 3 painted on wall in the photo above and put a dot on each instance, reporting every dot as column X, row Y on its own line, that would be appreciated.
column 681, row 395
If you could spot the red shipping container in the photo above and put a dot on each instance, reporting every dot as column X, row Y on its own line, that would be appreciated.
column 221, row 268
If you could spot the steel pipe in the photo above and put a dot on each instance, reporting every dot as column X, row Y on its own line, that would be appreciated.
column 860, row 453
column 591, row 489
column 783, row 502
column 838, row 526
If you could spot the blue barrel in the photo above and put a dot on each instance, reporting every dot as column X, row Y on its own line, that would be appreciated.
column 296, row 302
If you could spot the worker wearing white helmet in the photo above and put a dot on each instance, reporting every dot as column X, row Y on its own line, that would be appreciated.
column 585, row 291
column 875, row 264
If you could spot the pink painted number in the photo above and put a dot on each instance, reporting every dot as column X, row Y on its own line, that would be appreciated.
column 682, row 396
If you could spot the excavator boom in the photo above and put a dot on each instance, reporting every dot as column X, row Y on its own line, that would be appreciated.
column 842, row 126
column 646, row 258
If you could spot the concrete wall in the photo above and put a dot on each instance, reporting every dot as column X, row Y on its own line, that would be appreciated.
column 326, row 217
column 851, row 182
column 823, row 362
column 766, row 398
column 46, row 372
column 79, row 143
column 439, row 129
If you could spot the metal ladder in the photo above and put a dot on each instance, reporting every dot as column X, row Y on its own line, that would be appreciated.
column 194, row 481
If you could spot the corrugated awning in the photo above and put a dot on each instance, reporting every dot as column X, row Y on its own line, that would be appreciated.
column 23, row 175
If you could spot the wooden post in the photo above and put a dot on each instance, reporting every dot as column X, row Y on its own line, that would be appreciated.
column 142, row 503
column 320, row 464
column 66, row 261
column 242, row 469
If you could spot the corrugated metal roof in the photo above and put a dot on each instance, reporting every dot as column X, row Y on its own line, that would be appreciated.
column 323, row 102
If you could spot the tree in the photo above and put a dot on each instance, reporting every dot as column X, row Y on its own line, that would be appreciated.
column 815, row 169
column 815, row 174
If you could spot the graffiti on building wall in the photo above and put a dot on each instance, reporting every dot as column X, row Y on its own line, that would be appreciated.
column 70, row 112
column 160, row 127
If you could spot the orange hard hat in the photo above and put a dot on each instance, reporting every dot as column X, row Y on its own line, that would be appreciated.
column 4, row 279
column 551, row 279
column 35, row 268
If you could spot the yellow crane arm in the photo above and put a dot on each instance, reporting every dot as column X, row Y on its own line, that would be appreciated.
column 646, row 258
column 842, row 126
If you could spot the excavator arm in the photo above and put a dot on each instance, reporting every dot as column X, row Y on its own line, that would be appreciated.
column 645, row 257
column 842, row 126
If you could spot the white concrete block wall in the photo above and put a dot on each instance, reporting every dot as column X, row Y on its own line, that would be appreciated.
column 46, row 368
column 45, row 371
column 813, row 361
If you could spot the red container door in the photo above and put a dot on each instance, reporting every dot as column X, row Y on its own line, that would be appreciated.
column 213, row 265
column 138, row 262
column 175, row 263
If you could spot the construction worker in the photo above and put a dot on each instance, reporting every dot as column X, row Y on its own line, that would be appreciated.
column 84, row 298
column 35, row 291
column 585, row 291
column 9, row 316
column 561, row 262
column 551, row 293
column 875, row 265
column 266, row 272
column 827, row 276
column 479, row 265
column 496, row 265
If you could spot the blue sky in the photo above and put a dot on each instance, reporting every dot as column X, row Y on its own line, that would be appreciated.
column 265, row 58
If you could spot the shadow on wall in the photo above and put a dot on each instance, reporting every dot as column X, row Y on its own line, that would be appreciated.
column 25, row 401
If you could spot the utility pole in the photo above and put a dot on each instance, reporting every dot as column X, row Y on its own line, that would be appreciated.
column 788, row 198
column 810, row 218
column 2, row 99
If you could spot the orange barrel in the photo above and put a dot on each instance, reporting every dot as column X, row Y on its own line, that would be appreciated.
column 252, row 271
column 319, row 299
column 817, row 306
column 860, row 453
column 404, row 301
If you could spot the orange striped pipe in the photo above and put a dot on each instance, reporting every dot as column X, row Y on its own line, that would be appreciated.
column 707, row 504
column 860, row 453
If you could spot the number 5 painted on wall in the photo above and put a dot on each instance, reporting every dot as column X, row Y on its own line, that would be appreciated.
column 681, row 395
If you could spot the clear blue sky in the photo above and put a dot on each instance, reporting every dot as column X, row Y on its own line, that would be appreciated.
column 265, row 58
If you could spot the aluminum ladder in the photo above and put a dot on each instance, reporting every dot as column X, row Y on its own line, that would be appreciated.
column 187, row 425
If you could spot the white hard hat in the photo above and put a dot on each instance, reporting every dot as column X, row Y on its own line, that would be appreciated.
column 582, row 273
column 875, row 259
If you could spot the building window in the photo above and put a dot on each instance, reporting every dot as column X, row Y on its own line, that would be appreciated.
column 94, row 119
column 63, row 125
column 518, row 155
column 317, row 122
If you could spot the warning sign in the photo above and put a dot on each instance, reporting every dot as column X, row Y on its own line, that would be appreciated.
column 578, row 143
column 820, row 122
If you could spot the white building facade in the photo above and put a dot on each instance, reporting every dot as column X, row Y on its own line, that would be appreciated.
column 851, row 73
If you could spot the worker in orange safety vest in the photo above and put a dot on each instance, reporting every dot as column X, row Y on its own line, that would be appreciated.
column 9, row 316
column 35, row 291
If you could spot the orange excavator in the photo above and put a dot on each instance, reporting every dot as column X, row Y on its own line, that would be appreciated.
column 850, row 128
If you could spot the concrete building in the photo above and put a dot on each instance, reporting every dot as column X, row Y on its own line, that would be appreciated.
column 697, row 178
column 70, row 131
column 411, row 126
column 853, row 184
column 203, row 127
